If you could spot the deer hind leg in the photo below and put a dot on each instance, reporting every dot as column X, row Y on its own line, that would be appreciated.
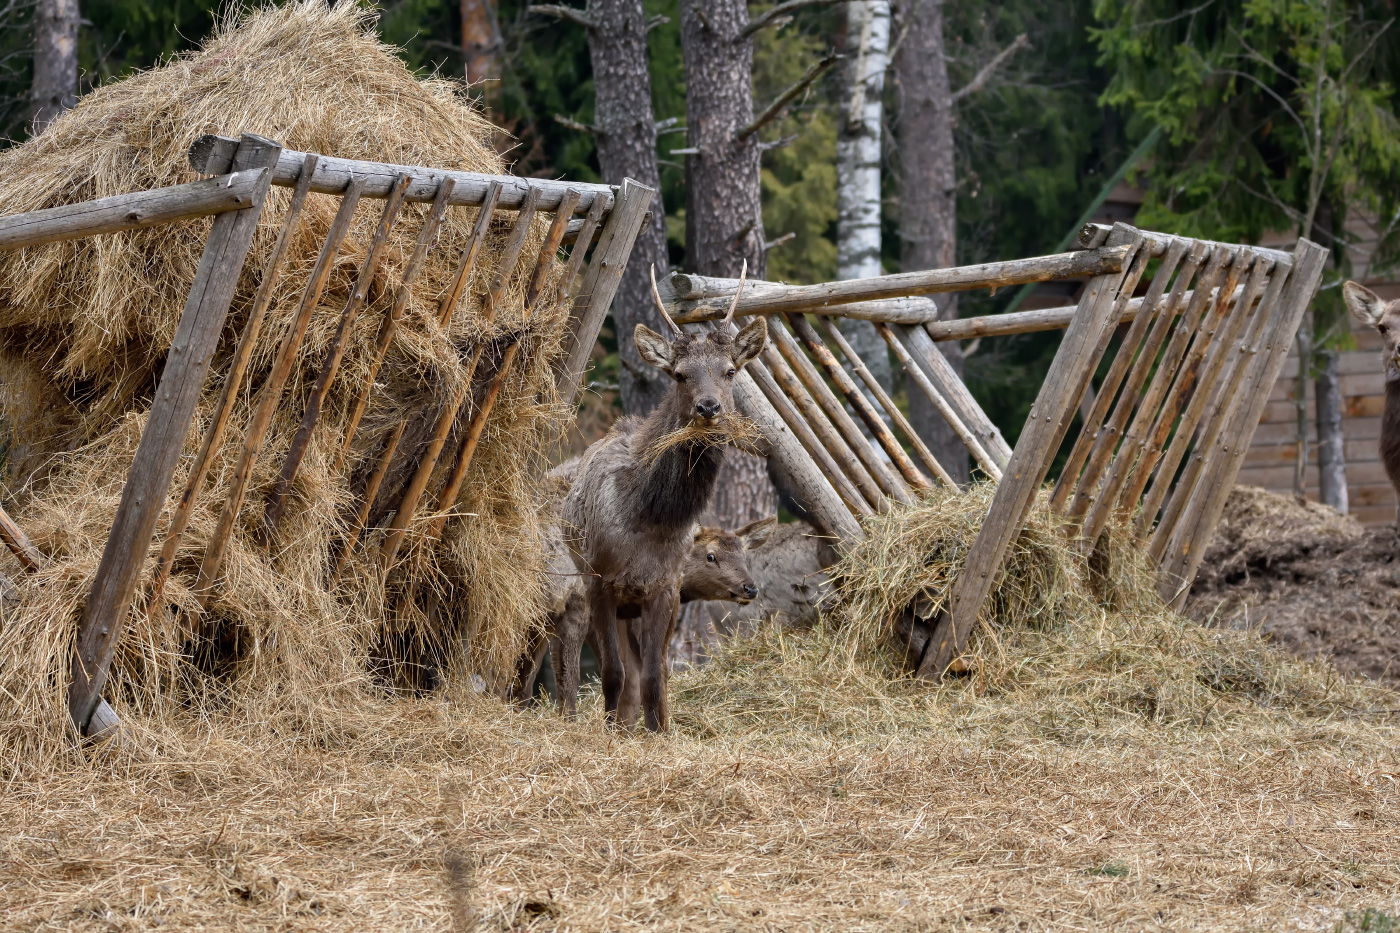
column 631, row 701
column 602, row 611
column 522, row 687
column 572, row 628
column 654, row 628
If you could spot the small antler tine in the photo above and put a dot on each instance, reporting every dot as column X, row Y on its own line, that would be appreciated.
column 656, row 295
column 743, row 274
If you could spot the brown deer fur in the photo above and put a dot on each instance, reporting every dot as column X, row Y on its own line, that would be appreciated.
column 631, row 515
column 717, row 568
column 1368, row 308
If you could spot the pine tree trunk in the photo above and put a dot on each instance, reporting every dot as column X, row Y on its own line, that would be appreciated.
column 626, row 124
column 481, row 43
column 1331, row 453
column 928, row 204
column 723, row 222
column 858, row 167
column 55, row 86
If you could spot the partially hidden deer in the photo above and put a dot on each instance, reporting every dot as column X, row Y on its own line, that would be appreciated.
column 1370, row 309
column 717, row 568
column 631, row 514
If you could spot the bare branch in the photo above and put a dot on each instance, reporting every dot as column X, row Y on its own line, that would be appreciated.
column 575, row 125
column 774, row 244
column 572, row 14
column 778, row 106
column 657, row 21
column 980, row 80
column 781, row 10
column 778, row 143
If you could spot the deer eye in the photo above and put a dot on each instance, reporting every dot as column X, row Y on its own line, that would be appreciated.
column 730, row 374
column 1382, row 328
column 710, row 558
column 680, row 377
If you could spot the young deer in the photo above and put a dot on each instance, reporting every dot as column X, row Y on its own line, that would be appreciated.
column 717, row 568
column 1368, row 308
column 630, row 517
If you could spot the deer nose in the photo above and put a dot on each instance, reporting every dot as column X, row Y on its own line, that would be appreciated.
column 750, row 590
column 707, row 407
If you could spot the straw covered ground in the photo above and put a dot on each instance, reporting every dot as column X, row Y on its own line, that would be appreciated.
column 1105, row 765
column 84, row 328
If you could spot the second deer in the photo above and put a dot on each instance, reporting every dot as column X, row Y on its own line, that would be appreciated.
column 1370, row 309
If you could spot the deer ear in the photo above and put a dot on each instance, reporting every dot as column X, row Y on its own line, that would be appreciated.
column 654, row 348
column 755, row 534
column 1364, row 304
column 748, row 343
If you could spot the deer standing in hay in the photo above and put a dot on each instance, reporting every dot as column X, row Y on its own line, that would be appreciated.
column 717, row 568
column 1370, row 309
column 631, row 514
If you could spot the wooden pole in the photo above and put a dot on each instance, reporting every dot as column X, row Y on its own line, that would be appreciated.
column 152, row 468
column 447, row 417
column 447, row 305
column 330, row 365
column 394, row 315
column 580, row 247
column 934, row 366
column 376, row 479
column 238, row 368
column 1050, row 417
column 270, row 397
column 1092, row 235
column 19, row 544
column 135, row 211
column 210, row 154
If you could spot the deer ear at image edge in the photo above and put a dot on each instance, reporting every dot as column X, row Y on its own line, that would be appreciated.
column 1365, row 305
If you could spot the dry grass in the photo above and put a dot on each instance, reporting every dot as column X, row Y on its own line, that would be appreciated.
column 95, row 317
column 1105, row 768
column 729, row 429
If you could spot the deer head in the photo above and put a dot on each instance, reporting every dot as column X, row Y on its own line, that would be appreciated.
column 718, row 566
column 1369, row 308
column 702, row 365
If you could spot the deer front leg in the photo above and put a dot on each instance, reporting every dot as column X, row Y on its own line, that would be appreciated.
column 654, row 629
column 603, row 623
column 572, row 628
column 631, row 703
column 527, row 669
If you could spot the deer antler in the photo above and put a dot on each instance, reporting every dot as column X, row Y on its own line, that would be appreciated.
column 743, row 274
column 659, row 306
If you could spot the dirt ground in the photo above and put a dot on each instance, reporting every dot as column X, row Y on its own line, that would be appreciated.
column 1315, row 582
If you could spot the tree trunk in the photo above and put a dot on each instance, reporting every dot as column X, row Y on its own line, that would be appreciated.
column 626, row 125
column 55, row 86
column 858, row 168
column 1331, row 456
column 723, row 222
column 481, row 42
column 928, row 203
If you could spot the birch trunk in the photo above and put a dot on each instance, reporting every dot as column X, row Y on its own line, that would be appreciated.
column 626, row 138
column 1331, row 454
column 928, row 201
column 858, row 168
column 55, row 86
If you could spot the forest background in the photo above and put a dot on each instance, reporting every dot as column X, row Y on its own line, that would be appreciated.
column 1238, row 117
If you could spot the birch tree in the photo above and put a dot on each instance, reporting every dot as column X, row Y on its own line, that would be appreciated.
column 55, row 87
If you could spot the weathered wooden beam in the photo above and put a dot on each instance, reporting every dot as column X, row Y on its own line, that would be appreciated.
column 376, row 479
column 158, row 453
column 270, row 396
column 238, row 368
column 209, row 156
column 804, row 298
column 1054, row 408
column 930, row 361
column 232, row 192
column 680, row 287
column 330, row 364
column 19, row 544
column 591, row 224
column 600, row 283
column 1093, row 235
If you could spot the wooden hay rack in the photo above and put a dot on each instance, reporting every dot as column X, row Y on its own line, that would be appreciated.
column 1159, row 446
column 598, row 216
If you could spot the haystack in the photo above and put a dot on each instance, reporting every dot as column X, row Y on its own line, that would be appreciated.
column 84, row 328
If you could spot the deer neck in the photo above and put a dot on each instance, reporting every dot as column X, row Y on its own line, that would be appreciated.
column 676, row 487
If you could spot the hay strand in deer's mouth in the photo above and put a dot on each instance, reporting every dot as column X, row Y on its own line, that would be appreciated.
column 732, row 429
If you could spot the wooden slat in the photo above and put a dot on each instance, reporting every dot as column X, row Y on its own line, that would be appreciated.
column 447, row 416
column 158, row 453
column 387, row 330
column 376, row 479
column 233, row 383
column 580, row 249
column 270, row 396
column 209, row 155
column 19, row 544
column 330, row 364
column 134, row 211
column 466, row 262
column 930, row 360
column 1050, row 418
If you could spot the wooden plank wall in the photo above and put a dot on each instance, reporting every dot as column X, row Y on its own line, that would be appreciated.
column 1271, row 458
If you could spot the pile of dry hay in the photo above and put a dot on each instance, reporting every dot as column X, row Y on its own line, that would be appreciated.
column 84, row 327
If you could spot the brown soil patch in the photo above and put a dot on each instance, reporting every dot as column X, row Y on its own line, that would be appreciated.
column 1315, row 582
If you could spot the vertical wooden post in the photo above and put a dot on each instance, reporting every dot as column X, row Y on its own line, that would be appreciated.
column 1055, row 407
column 153, row 467
column 601, row 280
